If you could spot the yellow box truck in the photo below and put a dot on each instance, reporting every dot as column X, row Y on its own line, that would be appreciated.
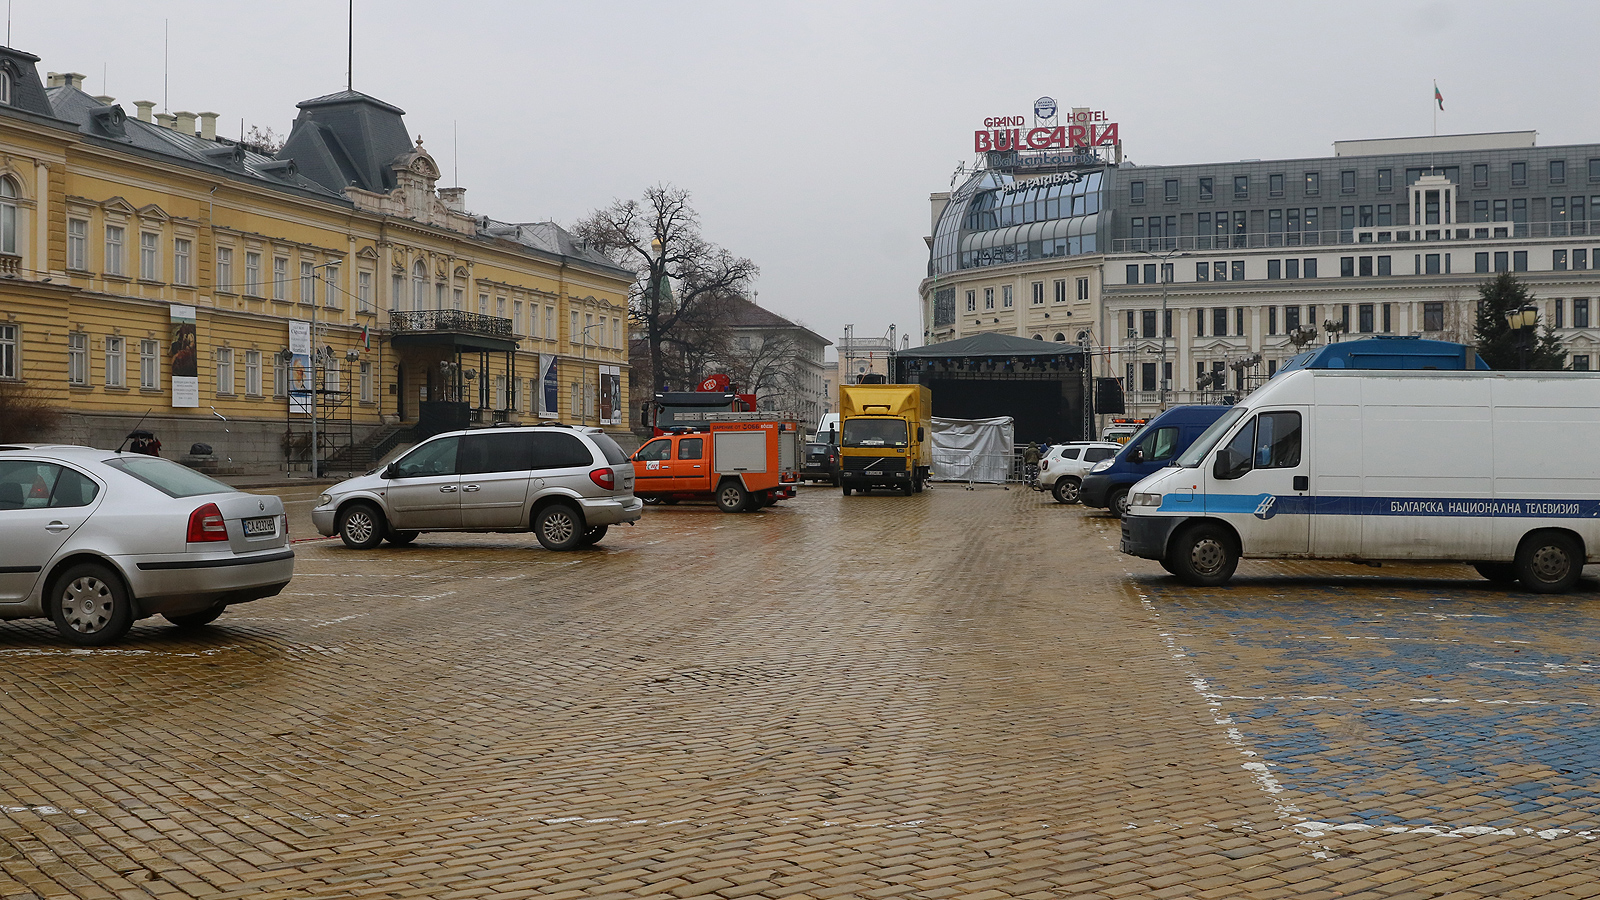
column 885, row 432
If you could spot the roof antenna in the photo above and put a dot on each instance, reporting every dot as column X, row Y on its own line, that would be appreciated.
column 166, row 41
column 455, row 153
column 135, row 428
column 8, row 23
column 350, row 60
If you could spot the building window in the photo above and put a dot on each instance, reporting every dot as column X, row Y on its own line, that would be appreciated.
column 1291, row 269
column 1132, row 276
column 77, row 358
column 78, row 244
column 1241, row 187
column 457, row 298
column 1274, row 269
column 225, row 270
column 1147, row 323
column 1060, row 288
column 1388, row 319
column 224, row 370
column 988, row 301
column 1364, row 265
column 1207, row 192
column 1347, row 266
column 1580, row 363
column 1274, row 185
column 1272, row 320
column 1237, row 270
column 366, row 382
column 1433, row 317
column 252, row 373
column 1558, row 171
column 149, row 368
column 574, row 335
column 149, row 256
column 1431, row 266
column 1202, row 271
column 280, row 376
column 516, row 318
column 1313, row 184
column 1384, row 267
column 116, row 362
column 1219, row 322
column 1219, row 271
column 1519, row 261
column 1135, row 192
column 1364, row 318
column 1502, row 261
column 1291, row 319
column 330, row 287
column 1580, row 259
column 114, row 235
column 1310, row 267
column 483, row 305
column 1480, row 175
column 972, row 301
column 1005, row 294
column 550, row 320
column 1580, row 313
column 280, row 278
column 1238, row 321
column 252, row 274
column 419, row 287
column 1347, row 181
column 1385, row 180
column 1558, row 260
column 1519, row 174
column 1038, row 293
column 499, row 306
column 364, row 292
column 1558, row 317
column 1170, row 192
column 397, row 289
column 8, row 205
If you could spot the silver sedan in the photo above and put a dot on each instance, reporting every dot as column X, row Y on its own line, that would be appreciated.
column 95, row 539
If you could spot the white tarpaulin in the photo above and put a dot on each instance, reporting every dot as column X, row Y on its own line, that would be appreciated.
column 973, row 449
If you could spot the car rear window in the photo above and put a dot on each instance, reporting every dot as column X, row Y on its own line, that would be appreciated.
column 168, row 477
column 609, row 449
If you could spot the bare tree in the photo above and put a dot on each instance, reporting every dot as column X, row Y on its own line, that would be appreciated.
column 659, row 239
column 766, row 364
column 264, row 140
column 27, row 413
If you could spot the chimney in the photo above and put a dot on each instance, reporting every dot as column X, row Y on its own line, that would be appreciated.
column 165, row 120
column 74, row 80
column 185, row 123
column 208, row 126
column 454, row 198
column 54, row 79
column 107, row 101
column 145, row 106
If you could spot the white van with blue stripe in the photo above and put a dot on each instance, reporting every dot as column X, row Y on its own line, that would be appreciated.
column 1488, row 468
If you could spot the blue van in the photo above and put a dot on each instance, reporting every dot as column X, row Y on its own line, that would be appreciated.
column 1152, row 449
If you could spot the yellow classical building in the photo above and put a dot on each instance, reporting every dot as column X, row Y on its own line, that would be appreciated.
column 152, row 270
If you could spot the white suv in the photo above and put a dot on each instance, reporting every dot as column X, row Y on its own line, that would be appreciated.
column 1061, row 470
column 567, row 485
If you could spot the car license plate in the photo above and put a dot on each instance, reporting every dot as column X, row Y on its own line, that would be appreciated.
column 874, row 471
column 265, row 526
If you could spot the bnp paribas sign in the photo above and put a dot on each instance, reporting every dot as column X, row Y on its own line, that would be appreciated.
column 1083, row 128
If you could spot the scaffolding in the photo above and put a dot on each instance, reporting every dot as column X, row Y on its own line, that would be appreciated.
column 335, row 432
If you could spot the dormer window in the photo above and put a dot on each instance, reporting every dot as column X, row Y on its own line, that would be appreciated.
column 5, row 86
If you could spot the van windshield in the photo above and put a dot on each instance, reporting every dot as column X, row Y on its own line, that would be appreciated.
column 874, row 433
column 1202, row 445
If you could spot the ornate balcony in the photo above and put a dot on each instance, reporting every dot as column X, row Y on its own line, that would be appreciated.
column 451, row 326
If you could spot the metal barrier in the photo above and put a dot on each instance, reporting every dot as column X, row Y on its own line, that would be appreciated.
column 976, row 468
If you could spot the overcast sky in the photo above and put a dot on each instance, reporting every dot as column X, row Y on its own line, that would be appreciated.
column 811, row 134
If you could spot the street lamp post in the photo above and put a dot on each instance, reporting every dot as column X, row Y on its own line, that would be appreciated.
column 1523, row 320
column 1166, row 280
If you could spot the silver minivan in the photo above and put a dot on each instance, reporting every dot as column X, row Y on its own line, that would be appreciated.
column 567, row 485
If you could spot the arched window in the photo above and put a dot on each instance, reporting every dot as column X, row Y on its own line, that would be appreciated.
column 1038, row 337
column 419, row 286
column 8, row 215
column 1061, row 338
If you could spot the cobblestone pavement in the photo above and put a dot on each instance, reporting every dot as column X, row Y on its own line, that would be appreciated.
column 959, row 694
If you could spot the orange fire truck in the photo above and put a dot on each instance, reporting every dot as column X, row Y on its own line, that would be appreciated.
column 743, row 461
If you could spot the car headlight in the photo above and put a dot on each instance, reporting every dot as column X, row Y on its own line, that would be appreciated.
column 1103, row 465
column 1146, row 499
column 324, row 499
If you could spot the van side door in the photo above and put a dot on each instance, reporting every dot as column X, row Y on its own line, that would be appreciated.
column 494, row 478
column 1258, row 480
column 424, row 493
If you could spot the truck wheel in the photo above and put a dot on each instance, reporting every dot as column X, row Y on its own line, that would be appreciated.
column 1117, row 502
column 90, row 606
column 558, row 527
column 361, row 526
column 1065, row 490
column 732, row 497
column 1203, row 555
column 1498, row 573
column 846, row 489
column 1549, row 562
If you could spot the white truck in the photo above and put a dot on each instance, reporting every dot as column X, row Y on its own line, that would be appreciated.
column 1487, row 468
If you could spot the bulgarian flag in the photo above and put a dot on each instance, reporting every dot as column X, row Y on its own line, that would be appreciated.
column 1438, row 97
column 366, row 338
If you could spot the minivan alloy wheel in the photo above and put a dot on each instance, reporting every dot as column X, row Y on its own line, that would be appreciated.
column 557, row 527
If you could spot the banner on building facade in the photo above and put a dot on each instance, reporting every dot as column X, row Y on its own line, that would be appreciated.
column 183, row 359
column 301, row 385
column 610, row 395
column 549, row 388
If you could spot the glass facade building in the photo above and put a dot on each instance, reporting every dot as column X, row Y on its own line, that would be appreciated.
column 993, row 219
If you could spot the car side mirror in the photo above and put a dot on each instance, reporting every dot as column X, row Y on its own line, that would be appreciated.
column 390, row 472
column 921, row 436
column 1227, row 464
column 1136, row 455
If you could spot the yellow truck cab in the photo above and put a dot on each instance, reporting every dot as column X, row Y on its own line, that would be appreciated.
column 885, row 435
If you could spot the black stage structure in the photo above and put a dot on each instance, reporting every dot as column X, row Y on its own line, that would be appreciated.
column 1040, row 384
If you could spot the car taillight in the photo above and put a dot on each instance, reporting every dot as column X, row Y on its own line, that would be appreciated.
column 604, row 478
column 205, row 524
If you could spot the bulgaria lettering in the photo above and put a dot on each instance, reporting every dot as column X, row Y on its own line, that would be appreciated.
column 1093, row 133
